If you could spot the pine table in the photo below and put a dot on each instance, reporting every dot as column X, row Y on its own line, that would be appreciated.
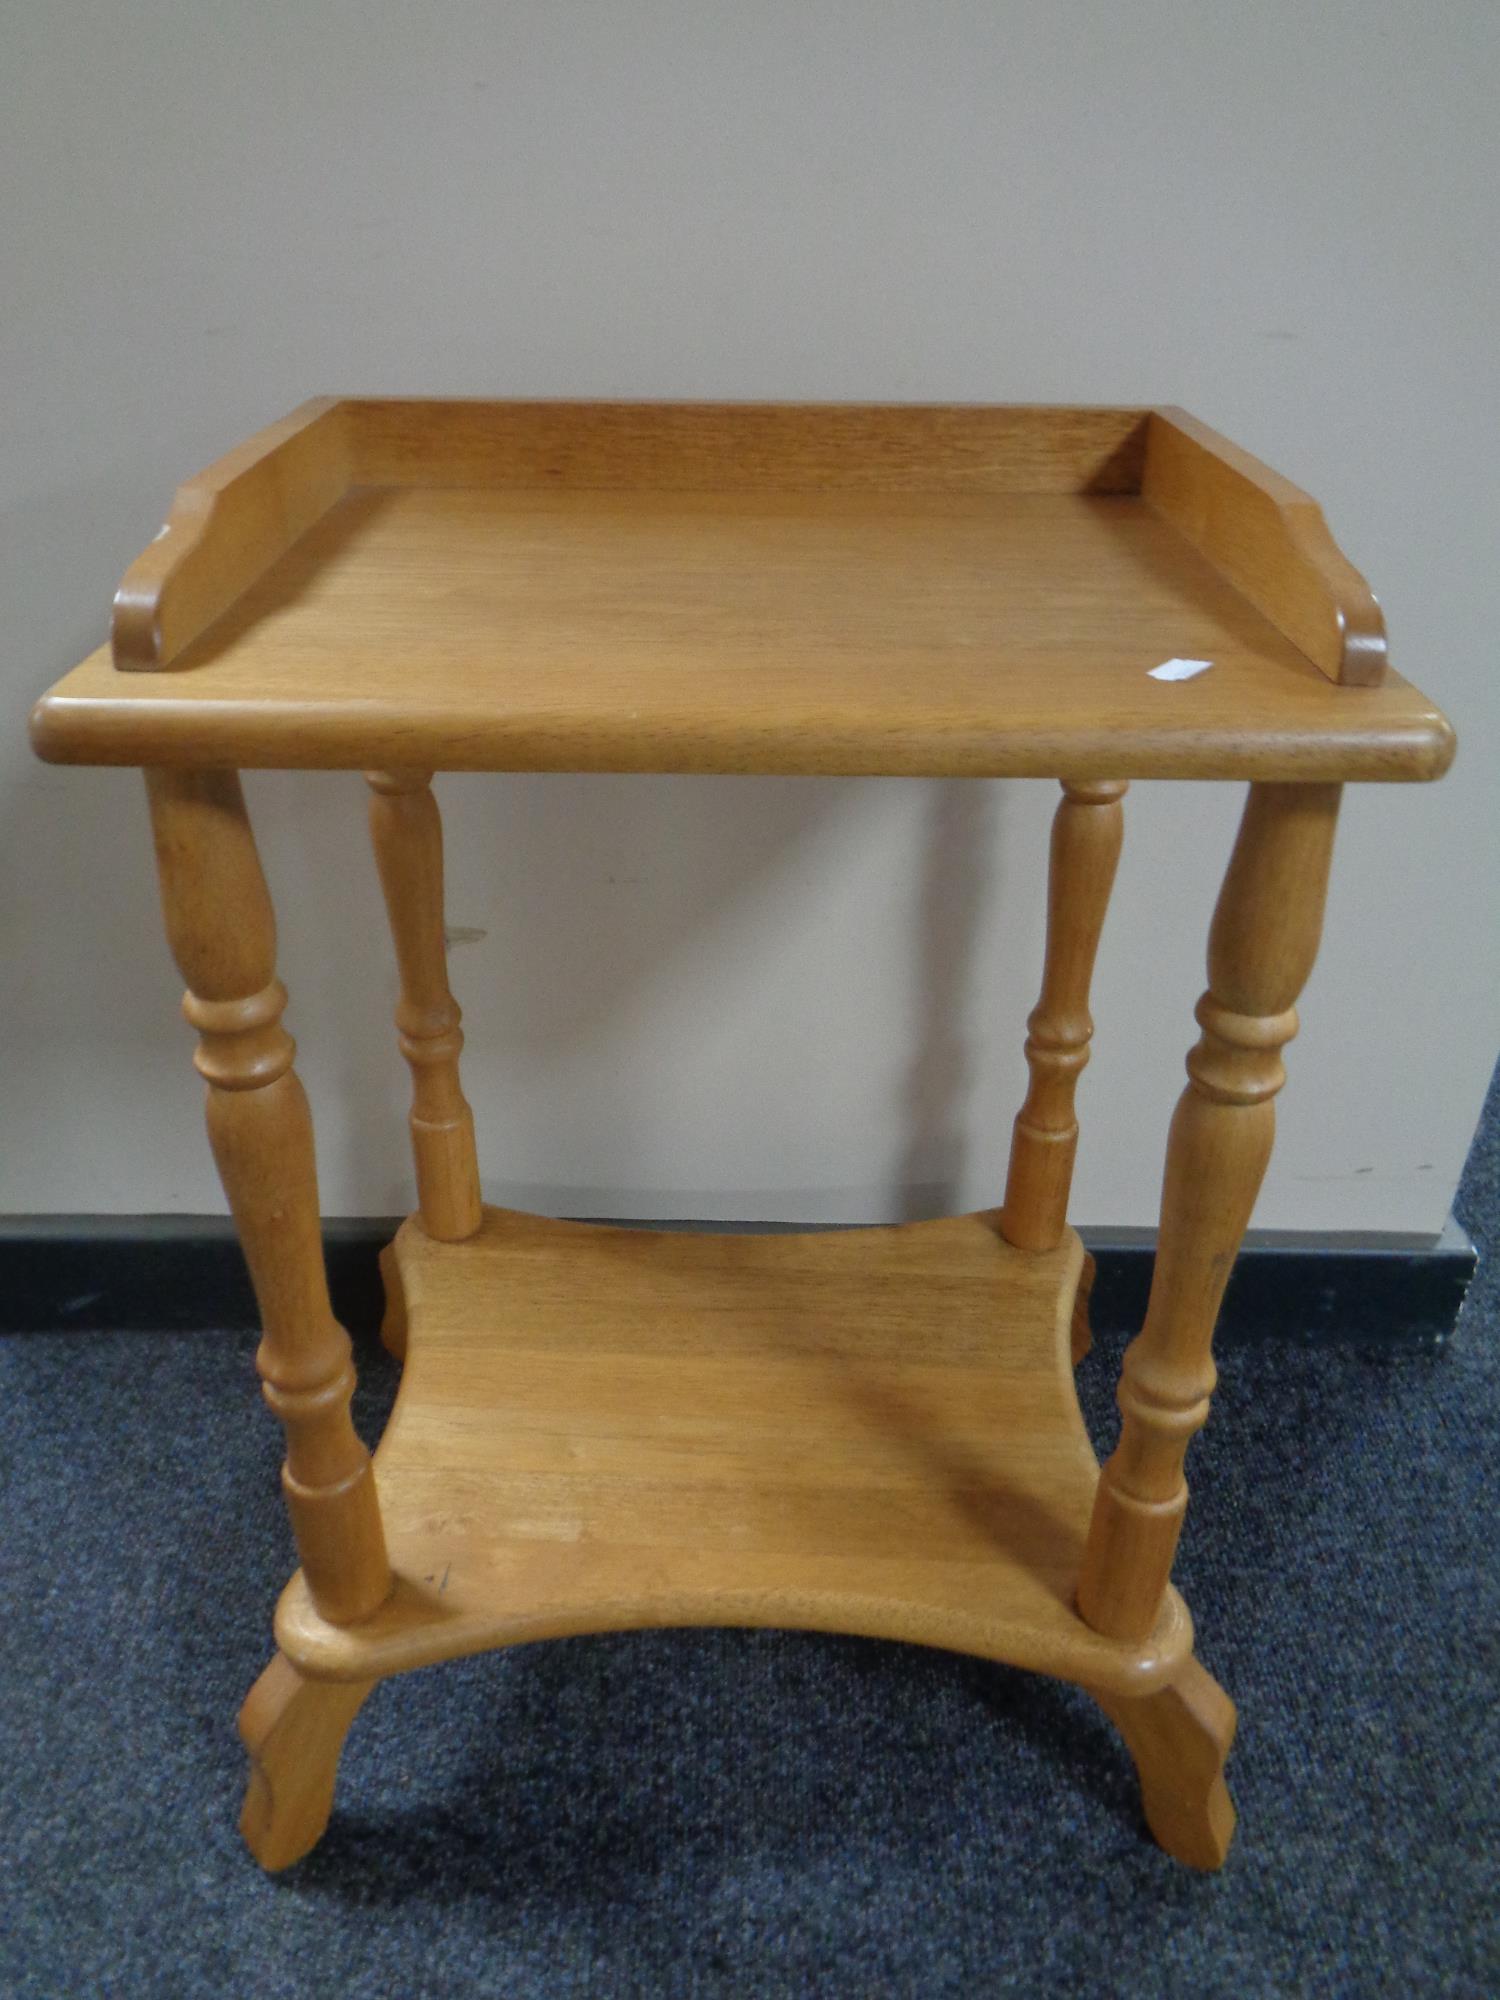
column 867, row 1430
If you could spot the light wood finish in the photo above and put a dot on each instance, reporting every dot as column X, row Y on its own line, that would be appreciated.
column 1179, row 1738
column 767, row 448
column 869, row 1430
column 1081, row 1337
column 237, row 517
column 224, row 528
column 393, row 1318
column 407, row 834
column 1262, row 945
column 294, row 1730
column 1269, row 539
column 1086, row 833
column 742, row 589
column 223, row 936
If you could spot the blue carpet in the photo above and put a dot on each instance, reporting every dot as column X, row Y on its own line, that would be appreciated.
column 757, row 1813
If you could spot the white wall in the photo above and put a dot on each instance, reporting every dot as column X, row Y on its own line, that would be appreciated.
column 793, row 999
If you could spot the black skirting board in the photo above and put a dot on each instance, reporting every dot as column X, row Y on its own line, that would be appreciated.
column 165, row 1273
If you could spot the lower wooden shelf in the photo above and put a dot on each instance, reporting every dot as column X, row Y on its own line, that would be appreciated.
column 867, row 1430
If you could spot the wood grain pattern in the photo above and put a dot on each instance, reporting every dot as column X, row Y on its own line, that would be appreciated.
column 223, row 936
column 869, row 1430
column 766, row 448
column 1261, row 949
column 874, row 1430
column 964, row 634
column 1086, row 833
column 232, row 520
column 407, row 834
column 1269, row 539
column 227, row 526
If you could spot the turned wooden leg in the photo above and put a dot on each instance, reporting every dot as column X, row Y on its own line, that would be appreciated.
column 294, row 1730
column 1086, row 835
column 1261, row 948
column 1179, row 1738
column 407, row 834
column 223, row 935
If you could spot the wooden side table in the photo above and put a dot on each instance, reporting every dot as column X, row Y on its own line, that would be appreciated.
column 872, row 1430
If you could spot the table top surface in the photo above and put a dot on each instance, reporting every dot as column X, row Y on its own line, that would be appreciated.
column 908, row 631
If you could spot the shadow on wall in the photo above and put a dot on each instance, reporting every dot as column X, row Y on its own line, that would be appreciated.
column 587, row 911
column 594, row 897
column 578, row 905
column 958, row 863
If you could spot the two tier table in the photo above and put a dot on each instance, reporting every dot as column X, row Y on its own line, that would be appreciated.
column 868, row 1430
